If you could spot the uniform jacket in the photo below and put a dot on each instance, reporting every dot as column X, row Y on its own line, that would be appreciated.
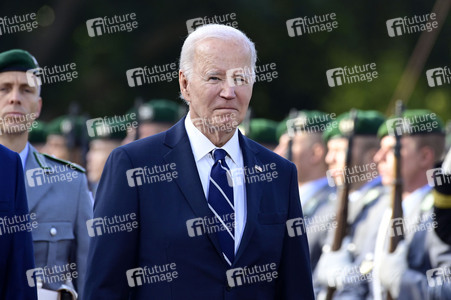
column 163, row 210
column 320, row 219
column 58, row 195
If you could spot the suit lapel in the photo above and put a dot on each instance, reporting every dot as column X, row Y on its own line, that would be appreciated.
column 253, row 195
column 34, row 194
column 188, row 180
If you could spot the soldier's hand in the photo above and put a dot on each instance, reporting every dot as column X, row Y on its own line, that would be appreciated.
column 334, row 265
column 392, row 267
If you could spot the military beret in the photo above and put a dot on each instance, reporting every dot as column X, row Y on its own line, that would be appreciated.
column 17, row 60
column 68, row 126
column 38, row 132
column 110, row 129
column 159, row 110
column 413, row 122
column 262, row 131
column 305, row 120
column 368, row 122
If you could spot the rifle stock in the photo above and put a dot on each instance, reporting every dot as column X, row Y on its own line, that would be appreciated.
column 396, row 195
column 343, row 197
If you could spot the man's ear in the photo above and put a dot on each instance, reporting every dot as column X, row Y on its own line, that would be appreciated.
column 427, row 157
column 183, row 82
column 318, row 153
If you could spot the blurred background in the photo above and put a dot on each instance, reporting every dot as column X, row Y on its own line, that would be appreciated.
column 301, row 62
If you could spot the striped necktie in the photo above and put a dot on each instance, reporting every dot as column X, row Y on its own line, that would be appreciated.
column 220, row 201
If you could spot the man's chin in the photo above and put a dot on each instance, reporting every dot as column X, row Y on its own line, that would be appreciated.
column 10, row 127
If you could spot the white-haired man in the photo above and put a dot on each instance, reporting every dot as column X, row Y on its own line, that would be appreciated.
column 217, row 215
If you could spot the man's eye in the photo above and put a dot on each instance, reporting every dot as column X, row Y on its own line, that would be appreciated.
column 240, row 79
column 214, row 78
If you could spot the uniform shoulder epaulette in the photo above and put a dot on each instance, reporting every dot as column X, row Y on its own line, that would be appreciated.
column 40, row 156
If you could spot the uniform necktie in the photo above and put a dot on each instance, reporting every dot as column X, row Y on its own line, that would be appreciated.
column 220, row 201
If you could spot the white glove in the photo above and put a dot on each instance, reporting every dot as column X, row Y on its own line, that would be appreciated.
column 392, row 267
column 333, row 266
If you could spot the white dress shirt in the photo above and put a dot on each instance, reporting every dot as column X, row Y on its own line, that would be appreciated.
column 202, row 148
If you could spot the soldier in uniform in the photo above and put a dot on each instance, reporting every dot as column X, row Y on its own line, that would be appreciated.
column 416, row 267
column 38, row 135
column 442, row 210
column 308, row 152
column 66, row 136
column 263, row 131
column 102, row 143
column 154, row 116
column 365, row 191
column 56, row 189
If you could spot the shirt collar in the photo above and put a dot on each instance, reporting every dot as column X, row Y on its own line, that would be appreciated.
column 414, row 200
column 24, row 154
column 308, row 189
column 355, row 195
column 202, row 146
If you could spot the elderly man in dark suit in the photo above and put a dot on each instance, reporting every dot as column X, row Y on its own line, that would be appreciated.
column 212, row 214
column 16, row 247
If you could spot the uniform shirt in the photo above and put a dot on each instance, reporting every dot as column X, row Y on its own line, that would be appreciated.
column 24, row 154
column 307, row 190
column 356, row 195
column 202, row 148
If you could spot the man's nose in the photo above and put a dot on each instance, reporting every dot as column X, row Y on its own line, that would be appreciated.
column 378, row 156
column 329, row 157
column 15, row 96
column 228, row 90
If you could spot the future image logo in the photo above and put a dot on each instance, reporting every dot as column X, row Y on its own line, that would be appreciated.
column 407, row 25
column 110, row 25
column 310, row 25
column 438, row 76
column 348, row 75
column 226, row 19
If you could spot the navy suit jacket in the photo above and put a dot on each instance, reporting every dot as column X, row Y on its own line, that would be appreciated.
column 16, row 247
column 162, row 238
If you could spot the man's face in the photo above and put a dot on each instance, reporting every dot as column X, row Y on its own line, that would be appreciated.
column 20, row 104
column 209, row 93
column 56, row 145
column 410, row 159
column 336, row 153
column 150, row 128
column 98, row 153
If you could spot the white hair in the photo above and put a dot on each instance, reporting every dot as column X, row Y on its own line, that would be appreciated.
column 217, row 31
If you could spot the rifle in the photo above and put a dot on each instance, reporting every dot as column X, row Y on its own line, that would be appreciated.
column 138, row 103
column 69, row 131
column 293, row 113
column 396, row 196
column 348, row 129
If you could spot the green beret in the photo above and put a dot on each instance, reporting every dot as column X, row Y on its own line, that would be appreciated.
column 159, row 110
column 413, row 122
column 110, row 128
column 17, row 60
column 368, row 122
column 262, row 131
column 305, row 120
column 38, row 133
column 68, row 127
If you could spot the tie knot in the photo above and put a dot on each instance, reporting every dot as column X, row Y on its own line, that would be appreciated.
column 219, row 154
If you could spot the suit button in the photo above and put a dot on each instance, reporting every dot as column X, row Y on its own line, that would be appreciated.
column 53, row 231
